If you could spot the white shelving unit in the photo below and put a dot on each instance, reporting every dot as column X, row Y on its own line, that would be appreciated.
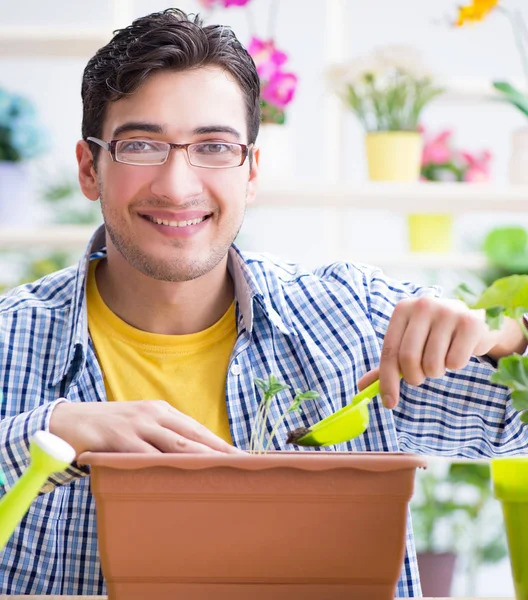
column 404, row 198
column 401, row 198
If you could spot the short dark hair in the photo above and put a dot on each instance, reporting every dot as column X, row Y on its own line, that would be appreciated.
column 166, row 40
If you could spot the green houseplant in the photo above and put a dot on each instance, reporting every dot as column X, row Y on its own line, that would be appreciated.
column 508, row 296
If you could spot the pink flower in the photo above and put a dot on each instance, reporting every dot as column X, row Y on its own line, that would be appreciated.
column 438, row 150
column 280, row 89
column 267, row 58
column 477, row 174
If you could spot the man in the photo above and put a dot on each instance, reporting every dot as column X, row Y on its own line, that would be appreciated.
column 152, row 343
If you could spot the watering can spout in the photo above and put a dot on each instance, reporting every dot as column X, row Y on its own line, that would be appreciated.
column 48, row 454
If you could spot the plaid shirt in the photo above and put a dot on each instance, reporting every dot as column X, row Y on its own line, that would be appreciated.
column 317, row 330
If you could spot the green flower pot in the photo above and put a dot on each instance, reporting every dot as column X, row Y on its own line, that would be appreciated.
column 510, row 485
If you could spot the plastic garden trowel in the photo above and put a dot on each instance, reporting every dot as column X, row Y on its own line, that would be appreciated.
column 341, row 426
column 49, row 454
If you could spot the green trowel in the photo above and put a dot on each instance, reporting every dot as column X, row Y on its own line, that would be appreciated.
column 49, row 454
column 341, row 426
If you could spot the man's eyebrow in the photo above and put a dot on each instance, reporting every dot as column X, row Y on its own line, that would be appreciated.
column 138, row 126
column 217, row 129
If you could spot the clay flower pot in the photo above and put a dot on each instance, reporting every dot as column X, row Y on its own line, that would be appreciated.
column 286, row 525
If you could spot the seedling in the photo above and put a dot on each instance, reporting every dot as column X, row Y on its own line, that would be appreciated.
column 270, row 388
column 508, row 297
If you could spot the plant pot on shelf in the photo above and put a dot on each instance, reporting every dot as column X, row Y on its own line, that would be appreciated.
column 14, row 193
column 276, row 153
column 436, row 573
column 286, row 525
column 510, row 486
column 430, row 232
column 518, row 166
column 394, row 155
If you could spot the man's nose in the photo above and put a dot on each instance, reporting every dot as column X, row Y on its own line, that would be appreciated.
column 177, row 178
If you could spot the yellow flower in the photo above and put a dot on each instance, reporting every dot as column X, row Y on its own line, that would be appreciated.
column 476, row 11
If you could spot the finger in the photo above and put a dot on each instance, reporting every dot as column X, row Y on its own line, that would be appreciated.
column 462, row 347
column 434, row 360
column 389, row 369
column 413, row 345
column 166, row 440
column 132, row 443
column 190, row 429
column 368, row 378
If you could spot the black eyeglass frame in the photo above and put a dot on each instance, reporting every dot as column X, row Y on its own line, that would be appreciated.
column 111, row 147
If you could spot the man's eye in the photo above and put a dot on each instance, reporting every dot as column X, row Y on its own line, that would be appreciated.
column 214, row 148
column 137, row 146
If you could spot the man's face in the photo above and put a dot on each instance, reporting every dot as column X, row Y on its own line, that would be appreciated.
column 198, row 105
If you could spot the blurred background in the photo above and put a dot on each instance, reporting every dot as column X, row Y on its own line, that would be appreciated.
column 394, row 133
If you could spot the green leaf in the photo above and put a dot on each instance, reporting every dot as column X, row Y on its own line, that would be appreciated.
column 464, row 293
column 520, row 400
column 512, row 371
column 510, row 293
column 495, row 317
column 301, row 397
column 472, row 474
column 524, row 417
column 513, row 96
column 504, row 245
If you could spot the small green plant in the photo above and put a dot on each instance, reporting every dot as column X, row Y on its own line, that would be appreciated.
column 508, row 297
column 270, row 388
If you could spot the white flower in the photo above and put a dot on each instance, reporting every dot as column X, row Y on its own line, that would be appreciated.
column 403, row 58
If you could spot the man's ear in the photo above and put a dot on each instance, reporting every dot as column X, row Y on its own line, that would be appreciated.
column 253, row 177
column 87, row 174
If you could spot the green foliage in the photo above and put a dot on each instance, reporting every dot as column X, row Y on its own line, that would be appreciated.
column 508, row 297
column 512, row 95
column 270, row 388
column 458, row 503
column 395, row 104
column 506, row 249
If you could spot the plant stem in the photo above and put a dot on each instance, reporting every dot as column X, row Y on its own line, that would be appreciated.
column 256, row 427
column 263, row 429
column 518, row 32
column 274, row 431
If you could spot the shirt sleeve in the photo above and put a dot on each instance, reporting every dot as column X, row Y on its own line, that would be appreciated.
column 460, row 414
column 15, row 436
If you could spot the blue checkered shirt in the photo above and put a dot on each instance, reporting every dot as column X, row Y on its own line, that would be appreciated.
column 317, row 330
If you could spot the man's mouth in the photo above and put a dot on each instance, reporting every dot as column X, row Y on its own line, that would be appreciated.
column 176, row 223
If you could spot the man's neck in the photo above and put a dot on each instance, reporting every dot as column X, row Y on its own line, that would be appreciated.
column 163, row 307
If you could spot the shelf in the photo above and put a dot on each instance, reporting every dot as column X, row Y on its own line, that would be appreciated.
column 17, row 42
column 456, row 198
column 73, row 237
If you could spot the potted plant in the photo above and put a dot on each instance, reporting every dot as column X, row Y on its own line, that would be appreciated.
column 21, row 139
column 277, row 90
column 508, row 296
column 453, row 515
column 443, row 162
column 257, row 525
column 387, row 90
column 476, row 11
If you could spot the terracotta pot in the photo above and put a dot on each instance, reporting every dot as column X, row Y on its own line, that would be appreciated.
column 436, row 573
column 287, row 525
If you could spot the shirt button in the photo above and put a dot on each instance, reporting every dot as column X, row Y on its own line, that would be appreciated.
column 236, row 369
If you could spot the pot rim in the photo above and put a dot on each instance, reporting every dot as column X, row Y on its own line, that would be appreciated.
column 302, row 460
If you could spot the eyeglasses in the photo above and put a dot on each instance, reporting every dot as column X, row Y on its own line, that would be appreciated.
column 210, row 155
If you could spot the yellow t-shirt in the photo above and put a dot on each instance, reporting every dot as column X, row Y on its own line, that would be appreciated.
column 187, row 371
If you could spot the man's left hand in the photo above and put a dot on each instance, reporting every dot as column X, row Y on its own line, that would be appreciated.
column 426, row 336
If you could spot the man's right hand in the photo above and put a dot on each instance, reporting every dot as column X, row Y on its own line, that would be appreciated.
column 151, row 426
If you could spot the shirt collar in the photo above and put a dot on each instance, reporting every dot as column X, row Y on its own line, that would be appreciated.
column 248, row 293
